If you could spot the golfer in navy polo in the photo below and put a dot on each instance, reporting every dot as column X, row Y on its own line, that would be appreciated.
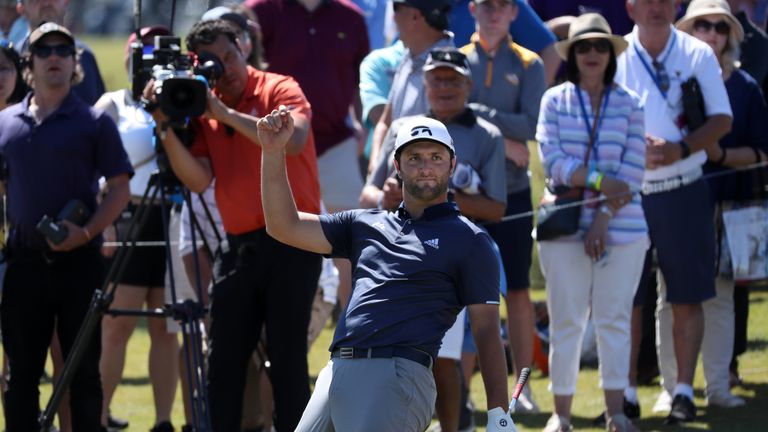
column 413, row 270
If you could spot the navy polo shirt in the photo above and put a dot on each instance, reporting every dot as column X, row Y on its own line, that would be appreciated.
column 411, row 277
column 55, row 161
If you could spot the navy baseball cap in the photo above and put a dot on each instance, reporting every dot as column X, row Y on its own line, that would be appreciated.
column 434, row 11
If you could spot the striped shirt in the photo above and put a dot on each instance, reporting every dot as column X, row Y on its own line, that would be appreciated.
column 619, row 151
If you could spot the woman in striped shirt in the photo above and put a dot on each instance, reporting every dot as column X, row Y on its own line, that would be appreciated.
column 591, row 135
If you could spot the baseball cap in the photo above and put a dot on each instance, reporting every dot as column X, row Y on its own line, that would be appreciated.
column 450, row 58
column 49, row 28
column 423, row 129
column 227, row 14
column 147, row 32
column 434, row 11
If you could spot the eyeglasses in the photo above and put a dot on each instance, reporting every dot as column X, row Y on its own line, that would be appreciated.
column 602, row 46
column 45, row 51
column 704, row 26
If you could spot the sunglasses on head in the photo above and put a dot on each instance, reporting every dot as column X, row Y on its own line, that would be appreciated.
column 584, row 46
column 704, row 26
column 45, row 51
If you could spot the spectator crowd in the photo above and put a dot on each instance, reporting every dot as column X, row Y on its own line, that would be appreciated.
column 648, row 116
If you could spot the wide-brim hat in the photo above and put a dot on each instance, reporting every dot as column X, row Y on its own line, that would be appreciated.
column 423, row 129
column 699, row 8
column 590, row 26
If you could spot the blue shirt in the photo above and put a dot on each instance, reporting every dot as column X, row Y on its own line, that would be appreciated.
column 411, row 277
column 750, row 129
column 527, row 30
column 374, row 12
column 55, row 161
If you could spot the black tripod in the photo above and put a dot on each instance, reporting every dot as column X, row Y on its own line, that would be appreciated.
column 188, row 313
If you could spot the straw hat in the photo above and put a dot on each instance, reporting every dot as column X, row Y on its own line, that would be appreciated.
column 590, row 26
column 699, row 8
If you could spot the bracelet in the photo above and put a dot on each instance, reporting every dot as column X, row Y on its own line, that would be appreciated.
column 87, row 234
column 599, row 182
column 606, row 210
column 592, row 177
column 721, row 160
column 686, row 149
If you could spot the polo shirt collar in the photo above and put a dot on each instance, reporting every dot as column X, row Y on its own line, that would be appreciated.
column 68, row 105
column 467, row 118
column 475, row 39
column 641, row 48
column 437, row 211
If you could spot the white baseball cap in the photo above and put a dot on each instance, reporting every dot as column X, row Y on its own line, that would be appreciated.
column 423, row 129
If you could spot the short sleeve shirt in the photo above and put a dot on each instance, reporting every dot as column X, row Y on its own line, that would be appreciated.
column 683, row 57
column 56, row 161
column 411, row 276
column 236, row 161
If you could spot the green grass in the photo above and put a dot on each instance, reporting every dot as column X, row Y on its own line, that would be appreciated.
column 133, row 399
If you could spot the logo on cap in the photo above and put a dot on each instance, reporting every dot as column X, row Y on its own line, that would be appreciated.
column 421, row 130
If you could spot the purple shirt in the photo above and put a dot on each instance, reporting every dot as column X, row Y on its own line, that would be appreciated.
column 614, row 11
column 55, row 161
column 322, row 50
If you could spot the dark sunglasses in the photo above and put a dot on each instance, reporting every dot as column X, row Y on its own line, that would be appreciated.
column 45, row 51
column 704, row 26
column 584, row 46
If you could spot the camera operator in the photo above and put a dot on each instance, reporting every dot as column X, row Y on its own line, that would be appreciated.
column 256, row 279
column 56, row 147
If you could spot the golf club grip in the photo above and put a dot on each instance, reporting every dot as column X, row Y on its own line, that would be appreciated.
column 521, row 382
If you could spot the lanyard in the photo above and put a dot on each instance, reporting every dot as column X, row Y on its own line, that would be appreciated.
column 647, row 67
column 594, row 130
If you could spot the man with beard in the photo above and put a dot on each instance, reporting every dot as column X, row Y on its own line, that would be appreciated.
column 479, row 188
column 413, row 271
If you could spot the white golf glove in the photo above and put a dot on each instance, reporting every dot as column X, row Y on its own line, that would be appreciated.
column 500, row 421
column 466, row 179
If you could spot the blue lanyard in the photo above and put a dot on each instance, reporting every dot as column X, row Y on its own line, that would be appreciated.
column 598, row 118
column 647, row 67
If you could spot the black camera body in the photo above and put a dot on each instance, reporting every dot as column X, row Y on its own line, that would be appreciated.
column 182, row 79
column 75, row 212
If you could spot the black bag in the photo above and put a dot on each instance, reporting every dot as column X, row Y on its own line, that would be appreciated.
column 556, row 218
column 693, row 104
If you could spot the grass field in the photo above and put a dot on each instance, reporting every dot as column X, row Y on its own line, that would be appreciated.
column 133, row 399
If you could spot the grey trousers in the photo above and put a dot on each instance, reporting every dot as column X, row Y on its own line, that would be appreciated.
column 376, row 395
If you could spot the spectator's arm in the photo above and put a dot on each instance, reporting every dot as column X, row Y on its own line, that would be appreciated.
column 558, row 165
column 379, row 133
column 479, row 206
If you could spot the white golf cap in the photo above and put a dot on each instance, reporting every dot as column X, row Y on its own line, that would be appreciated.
column 423, row 129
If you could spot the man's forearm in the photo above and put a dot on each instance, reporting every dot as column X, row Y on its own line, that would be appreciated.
column 187, row 168
column 708, row 134
column 479, row 206
column 493, row 366
column 280, row 211
column 370, row 196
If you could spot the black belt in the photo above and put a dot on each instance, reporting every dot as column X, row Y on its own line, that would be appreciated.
column 408, row 353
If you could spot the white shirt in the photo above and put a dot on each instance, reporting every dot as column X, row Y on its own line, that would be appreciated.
column 684, row 56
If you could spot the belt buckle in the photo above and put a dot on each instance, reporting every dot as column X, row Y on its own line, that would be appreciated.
column 346, row 353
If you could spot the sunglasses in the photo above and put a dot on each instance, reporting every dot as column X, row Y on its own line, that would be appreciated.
column 704, row 26
column 602, row 46
column 45, row 51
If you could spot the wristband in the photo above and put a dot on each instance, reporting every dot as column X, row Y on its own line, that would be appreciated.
column 87, row 234
column 599, row 182
column 686, row 149
column 722, row 157
column 592, row 177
